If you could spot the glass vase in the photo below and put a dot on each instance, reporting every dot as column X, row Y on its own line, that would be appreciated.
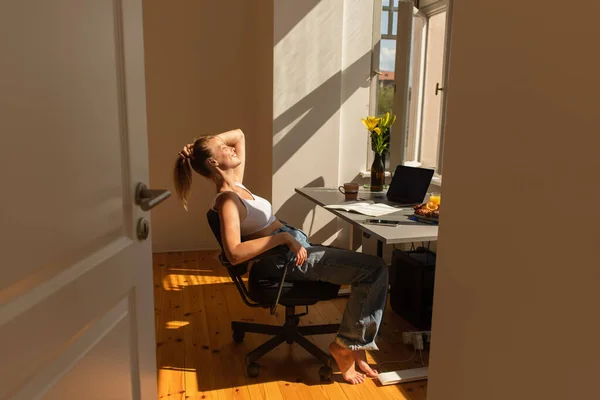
column 377, row 174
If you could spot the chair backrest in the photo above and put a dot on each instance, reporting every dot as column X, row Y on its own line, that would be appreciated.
column 215, row 225
column 235, row 271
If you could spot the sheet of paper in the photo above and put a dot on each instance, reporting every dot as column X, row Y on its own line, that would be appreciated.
column 365, row 208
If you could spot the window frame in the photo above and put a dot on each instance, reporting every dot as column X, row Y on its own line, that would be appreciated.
column 416, row 117
column 432, row 9
column 402, row 100
column 375, row 73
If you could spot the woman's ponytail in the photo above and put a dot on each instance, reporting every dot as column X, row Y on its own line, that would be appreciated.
column 194, row 158
column 182, row 178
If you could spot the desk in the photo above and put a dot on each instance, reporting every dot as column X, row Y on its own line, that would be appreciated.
column 405, row 232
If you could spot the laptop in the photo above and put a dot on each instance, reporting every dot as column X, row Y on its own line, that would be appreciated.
column 409, row 185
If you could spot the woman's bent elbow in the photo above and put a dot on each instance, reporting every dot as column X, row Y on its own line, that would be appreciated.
column 235, row 259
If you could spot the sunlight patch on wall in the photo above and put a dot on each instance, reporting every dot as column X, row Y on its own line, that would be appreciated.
column 280, row 134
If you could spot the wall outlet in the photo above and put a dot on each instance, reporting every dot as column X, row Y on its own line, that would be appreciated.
column 418, row 341
column 422, row 332
column 407, row 336
column 416, row 338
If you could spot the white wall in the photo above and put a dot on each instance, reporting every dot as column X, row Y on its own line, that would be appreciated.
column 425, row 3
column 356, row 70
column 322, row 61
column 517, row 263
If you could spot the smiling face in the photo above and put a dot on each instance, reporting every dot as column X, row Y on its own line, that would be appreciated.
column 224, row 155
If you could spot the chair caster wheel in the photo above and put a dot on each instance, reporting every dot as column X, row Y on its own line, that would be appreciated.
column 325, row 373
column 252, row 370
column 238, row 336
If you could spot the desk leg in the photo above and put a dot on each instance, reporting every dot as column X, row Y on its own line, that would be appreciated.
column 345, row 291
column 354, row 242
column 380, row 254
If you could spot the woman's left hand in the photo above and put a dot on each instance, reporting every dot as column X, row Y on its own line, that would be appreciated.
column 186, row 152
column 298, row 250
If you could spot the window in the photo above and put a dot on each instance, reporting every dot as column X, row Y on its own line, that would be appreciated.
column 385, row 27
column 421, row 112
column 387, row 57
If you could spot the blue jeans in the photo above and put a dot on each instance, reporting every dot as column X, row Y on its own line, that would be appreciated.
column 367, row 274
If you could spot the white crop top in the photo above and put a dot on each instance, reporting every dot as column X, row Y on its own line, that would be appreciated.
column 259, row 213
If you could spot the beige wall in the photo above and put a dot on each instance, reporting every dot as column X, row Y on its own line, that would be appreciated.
column 293, row 75
column 517, row 284
column 208, row 69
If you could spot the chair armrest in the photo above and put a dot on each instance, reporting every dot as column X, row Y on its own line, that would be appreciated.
column 274, row 305
column 237, row 270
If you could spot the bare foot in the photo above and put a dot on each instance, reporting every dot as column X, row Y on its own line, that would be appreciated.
column 360, row 357
column 345, row 361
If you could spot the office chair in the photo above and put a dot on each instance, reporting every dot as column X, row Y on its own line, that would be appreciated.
column 266, row 291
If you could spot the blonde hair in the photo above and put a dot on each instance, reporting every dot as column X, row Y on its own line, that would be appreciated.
column 182, row 173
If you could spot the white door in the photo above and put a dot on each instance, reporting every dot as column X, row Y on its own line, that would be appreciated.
column 76, row 307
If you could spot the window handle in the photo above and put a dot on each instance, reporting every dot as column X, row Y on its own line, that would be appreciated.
column 377, row 72
column 438, row 88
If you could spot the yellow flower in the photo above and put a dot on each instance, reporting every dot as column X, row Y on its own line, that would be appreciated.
column 371, row 123
column 377, row 131
column 393, row 120
column 386, row 119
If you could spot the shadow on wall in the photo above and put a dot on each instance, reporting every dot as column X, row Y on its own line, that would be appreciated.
column 297, row 208
column 297, row 10
column 320, row 105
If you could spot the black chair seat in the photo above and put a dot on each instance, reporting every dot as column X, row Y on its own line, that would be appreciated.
column 298, row 293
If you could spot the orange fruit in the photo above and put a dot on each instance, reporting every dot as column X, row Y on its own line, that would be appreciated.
column 431, row 206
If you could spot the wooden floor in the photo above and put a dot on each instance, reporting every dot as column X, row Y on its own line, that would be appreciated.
column 195, row 301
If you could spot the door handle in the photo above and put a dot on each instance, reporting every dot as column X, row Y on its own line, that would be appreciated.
column 438, row 88
column 149, row 198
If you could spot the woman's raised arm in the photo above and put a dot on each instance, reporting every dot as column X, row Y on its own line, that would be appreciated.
column 236, row 139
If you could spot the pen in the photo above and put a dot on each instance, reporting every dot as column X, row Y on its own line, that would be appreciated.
column 413, row 218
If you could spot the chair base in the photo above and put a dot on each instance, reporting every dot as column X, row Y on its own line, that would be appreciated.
column 290, row 332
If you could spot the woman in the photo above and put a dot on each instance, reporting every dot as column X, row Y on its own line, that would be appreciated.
column 249, row 229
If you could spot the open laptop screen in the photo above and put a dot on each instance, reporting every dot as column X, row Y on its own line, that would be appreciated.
column 409, row 184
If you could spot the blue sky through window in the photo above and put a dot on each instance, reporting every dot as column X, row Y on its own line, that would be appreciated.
column 387, row 57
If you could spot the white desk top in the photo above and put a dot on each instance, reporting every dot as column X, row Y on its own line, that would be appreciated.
column 405, row 232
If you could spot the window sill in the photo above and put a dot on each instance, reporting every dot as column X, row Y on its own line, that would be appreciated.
column 436, row 180
column 367, row 174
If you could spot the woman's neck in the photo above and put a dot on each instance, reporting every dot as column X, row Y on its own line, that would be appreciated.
column 225, row 182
